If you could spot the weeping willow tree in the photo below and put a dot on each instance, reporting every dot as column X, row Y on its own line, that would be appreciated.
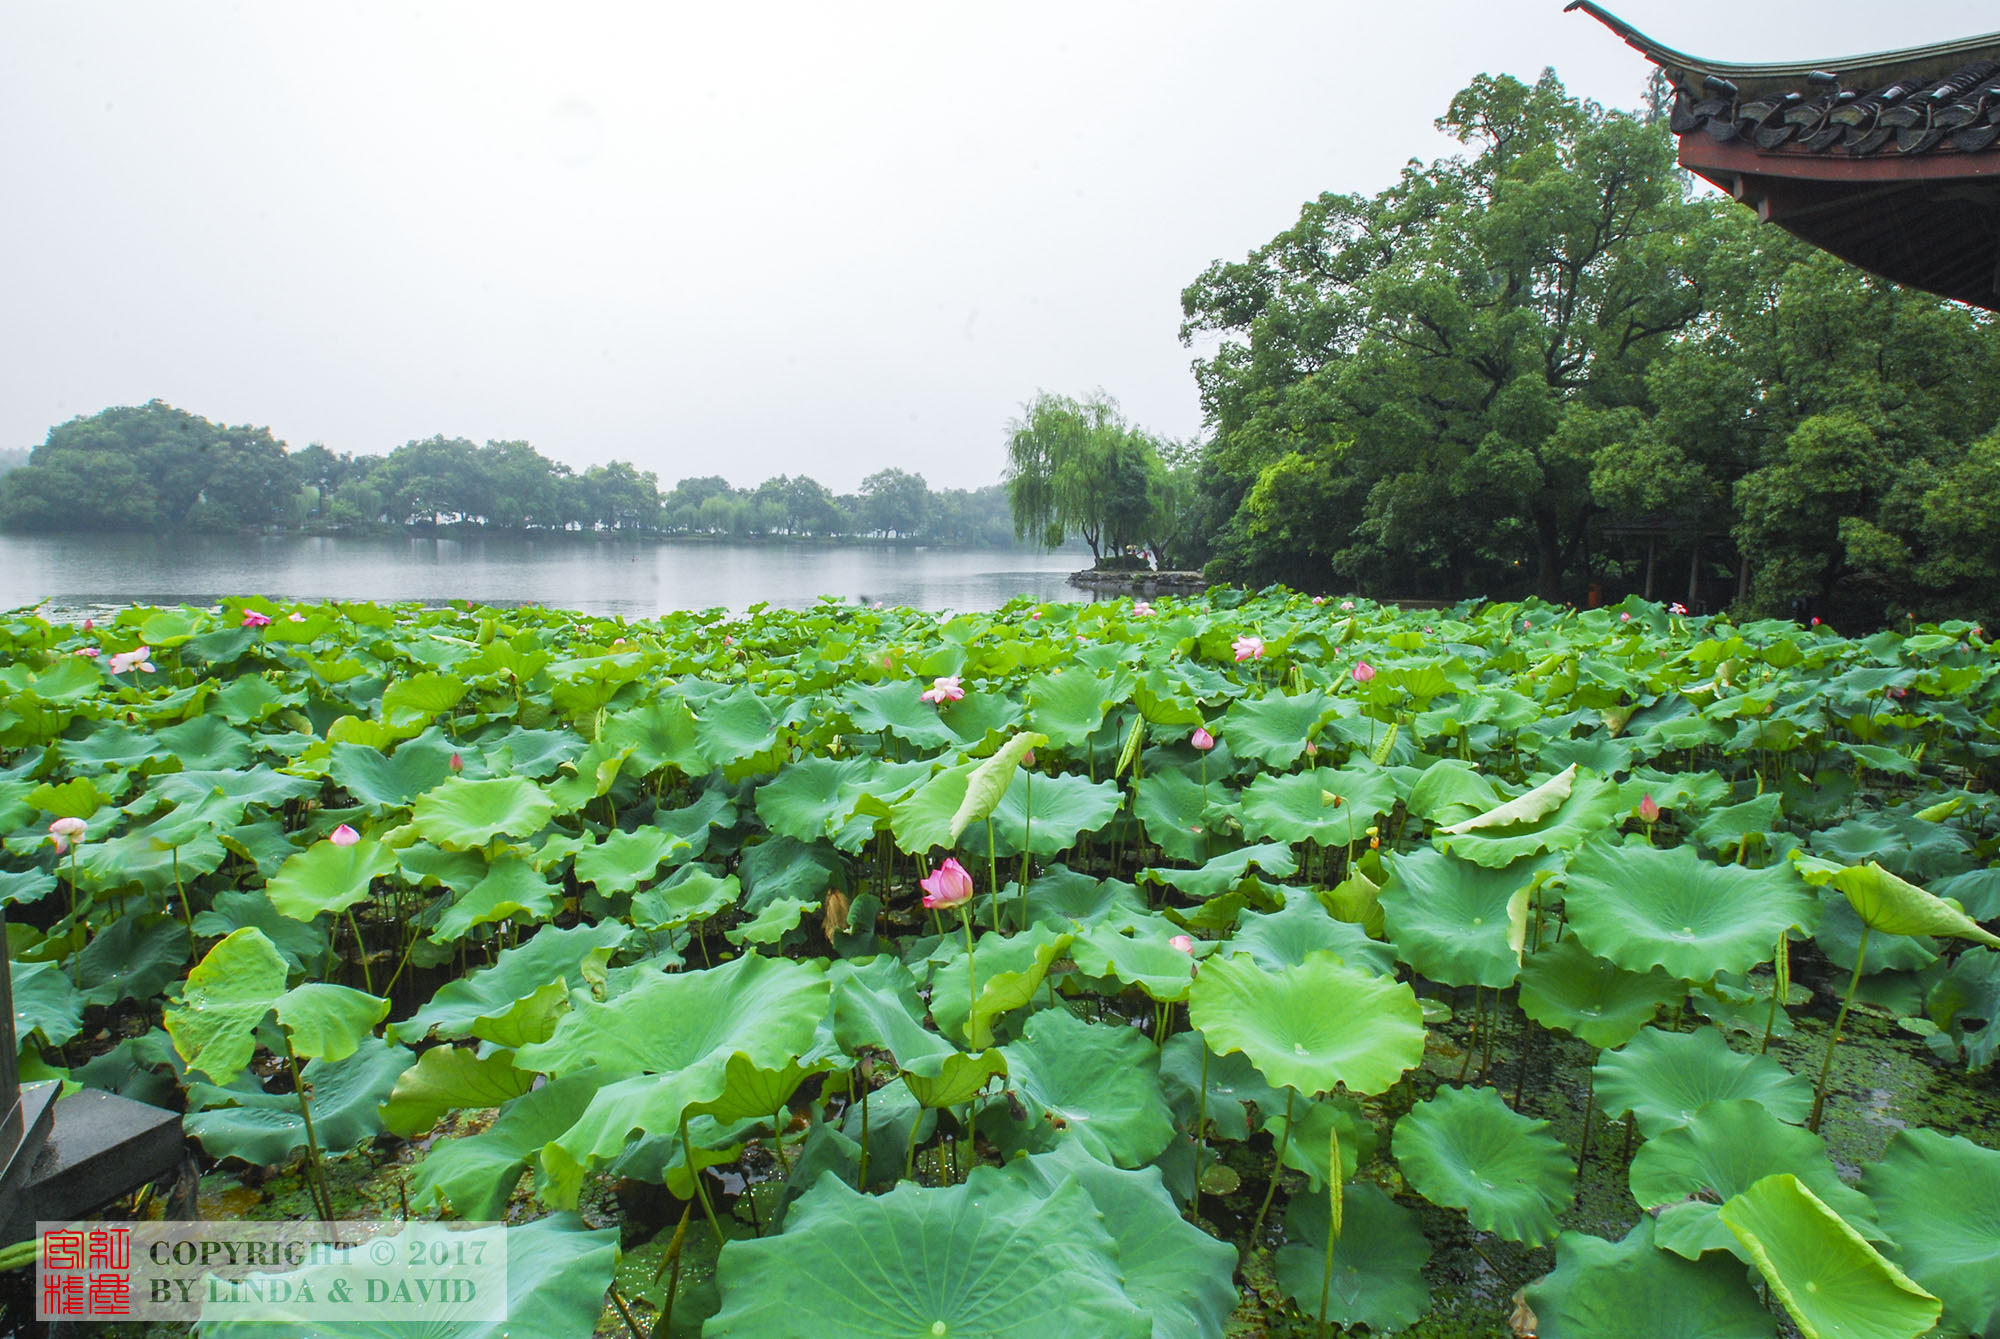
column 1076, row 467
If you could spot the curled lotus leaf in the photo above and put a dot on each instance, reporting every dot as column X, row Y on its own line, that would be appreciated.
column 1895, row 906
column 1832, row 1283
column 1587, row 807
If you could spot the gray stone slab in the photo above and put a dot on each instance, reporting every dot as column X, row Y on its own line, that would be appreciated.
column 100, row 1146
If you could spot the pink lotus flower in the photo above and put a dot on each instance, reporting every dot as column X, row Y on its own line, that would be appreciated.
column 66, row 830
column 1183, row 943
column 1141, row 608
column 727, row 640
column 253, row 619
column 1347, row 606
column 1036, row 614
column 1247, row 648
column 1815, row 623
column 89, row 625
column 943, row 690
column 1202, row 740
column 948, row 886
column 1319, row 599
column 89, row 652
column 343, row 836
column 1649, row 809
column 1677, row 608
column 295, row 617
column 1363, row 671
column 137, row 659
column 1625, row 617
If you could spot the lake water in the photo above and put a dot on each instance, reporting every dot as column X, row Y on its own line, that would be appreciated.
column 79, row 575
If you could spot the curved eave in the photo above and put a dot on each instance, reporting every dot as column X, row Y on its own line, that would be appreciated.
column 1881, row 68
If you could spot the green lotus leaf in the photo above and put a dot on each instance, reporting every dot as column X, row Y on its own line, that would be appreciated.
column 557, row 1274
column 1174, row 809
column 816, row 798
column 538, row 754
column 660, row 733
column 990, row 780
column 1283, row 938
column 225, row 997
column 328, row 1022
column 1452, row 791
column 1172, row 1270
column 244, row 1121
column 1588, row 806
column 1663, row 1078
column 777, row 919
column 1139, row 955
column 1641, row 908
column 1045, row 813
column 1069, row 707
column 393, row 780
column 460, row 815
column 1892, row 906
column 421, row 696
column 786, row 867
column 205, row 744
column 1465, row 1149
column 482, row 1003
column 1839, row 938
column 875, row 1004
column 22, row 886
column 1458, row 923
column 954, row 1078
column 1686, row 1173
column 590, row 774
column 1313, row 1027
column 1970, row 990
column 46, row 1001
column 1528, row 807
column 1939, row 1199
column 326, row 878
column 1096, row 1083
column 1566, row 988
column 897, row 708
column 473, row 1176
column 624, row 860
column 693, row 894
column 1378, row 1263
column 1009, row 970
column 1310, row 1147
column 446, row 1078
column 1628, row 1288
column 263, row 843
column 511, row 888
column 132, row 959
column 735, row 726
column 990, row 1259
column 1234, row 1086
column 1726, row 828
column 1224, row 872
column 1333, row 808
column 1830, row 1280
column 1274, row 729
column 1063, row 898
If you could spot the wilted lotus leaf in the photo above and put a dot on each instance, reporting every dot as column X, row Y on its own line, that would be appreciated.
column 1830, row 1280
column 1464, row 1149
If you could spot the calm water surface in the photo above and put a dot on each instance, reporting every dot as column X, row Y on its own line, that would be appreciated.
column 83, row 574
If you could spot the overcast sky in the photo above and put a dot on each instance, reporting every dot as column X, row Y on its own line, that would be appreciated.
column 744, row 239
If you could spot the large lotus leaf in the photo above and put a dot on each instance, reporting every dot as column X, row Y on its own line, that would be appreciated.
column 772, row 923
column 1313, row 1027
column 1378, row 1263
column 590, row 774
column 131, row 959
column 1333, row 808
column 460, row 815
column 815, row 798
column 1274, row 729
column 1045, row 813
column 1069, row 706
column 1727, row 828
column 1064, row 898
column 483, row 1003
column 45, row 1000
column 624, row 860
column 693, row 894
column 1565, row 987
column 1830, row 1280
column 511, row 888
column 1009, row 971
column 786, row 867
column 1939, row 1199
column 263, row 843
column 205, row 744
column 1173, row 807
column 1234, row 1086
column 223, row 1000
column 1096, row 1083
column 446, row 1078
column 1224, row 872
column 921, row 820
column 1664, row 1078
column 474, row 1175
column 1631, row 1290
column 991, row 1259
column 1458, row 923
column 300, row 943
column 1970, row 990
column 328, row 1022
column 898, row 708
column 1642, row 907
column 954, row 1078
column 135, row 860
column 1141, row 955
column 266, row 1128
column 1451, row 791
column 20, row 886
column 1977, row 890
column 1172, row 1270
column 1588, row 806
column 538, row 754
column 1839, row 938
column 1685, row 1173
column 238, row 789
column 557, row 1274
column 875, row 1004
column 395, row 780
column 735, row 726
column 328, row 878
column 1889, row 905
column 1282, row 939
column 1465, row 1149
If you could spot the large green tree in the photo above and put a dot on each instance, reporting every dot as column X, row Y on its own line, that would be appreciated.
column 1076, row 467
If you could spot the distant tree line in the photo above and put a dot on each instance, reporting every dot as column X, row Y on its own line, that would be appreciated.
column 153, row 467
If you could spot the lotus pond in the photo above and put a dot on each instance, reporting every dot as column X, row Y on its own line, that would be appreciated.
column 1325, row 967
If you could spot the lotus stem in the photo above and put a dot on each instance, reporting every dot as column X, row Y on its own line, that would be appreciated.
column 1027, row 839
column 1781, row 981
column 1589, row 1110
column 861, row 1077
column 360, row 952
column 315, row 1173
column 1332, row 1240
column 701, row 1190
column 992, row 874
column 971, row 972
column 1277, row 1168
column 1826, row 1065
column 1200, row 1136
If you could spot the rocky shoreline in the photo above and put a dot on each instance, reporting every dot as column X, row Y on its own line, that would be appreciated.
column 1140, row 583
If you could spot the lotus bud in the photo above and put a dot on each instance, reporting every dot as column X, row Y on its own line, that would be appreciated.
column 457, row 763
column 1202, row 740
column 343, row 836
column 1363, row 671
column 1649, row 809
column 1183, row 943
